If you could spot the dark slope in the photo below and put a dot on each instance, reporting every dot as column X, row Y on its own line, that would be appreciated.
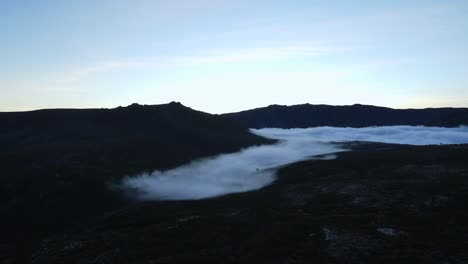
column 56, row 164
column 306, row 115
column 378, row 204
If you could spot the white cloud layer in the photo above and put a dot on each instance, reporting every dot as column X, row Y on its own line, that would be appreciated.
column 247, row 170
column 413, row 135
column 255, row 167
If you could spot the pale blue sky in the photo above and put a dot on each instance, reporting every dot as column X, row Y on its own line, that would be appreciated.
column 223, row 56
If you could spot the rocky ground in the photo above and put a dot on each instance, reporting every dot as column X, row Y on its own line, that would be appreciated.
column 377, row 204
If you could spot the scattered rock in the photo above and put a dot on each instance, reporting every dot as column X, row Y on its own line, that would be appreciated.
column 388, row 231
column 73, row 246
column 186, row 219
column 235, row 213
column 329, row 234
column 437, row 201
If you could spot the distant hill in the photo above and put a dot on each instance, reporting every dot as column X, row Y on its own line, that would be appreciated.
column 307, row 115
column 56, row 164
column 170, row 125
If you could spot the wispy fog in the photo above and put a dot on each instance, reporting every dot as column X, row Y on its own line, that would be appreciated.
column 255, row 167
column 247, row 170
column 413, row 135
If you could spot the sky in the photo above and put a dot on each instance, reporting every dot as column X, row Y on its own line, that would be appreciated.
column 225, row 56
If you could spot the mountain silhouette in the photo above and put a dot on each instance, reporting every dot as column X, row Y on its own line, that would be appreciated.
column 307, row 115
column 58, row 165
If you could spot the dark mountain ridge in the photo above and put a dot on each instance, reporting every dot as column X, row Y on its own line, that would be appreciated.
column 68, row 127
column 307, row 115
column 57, row 164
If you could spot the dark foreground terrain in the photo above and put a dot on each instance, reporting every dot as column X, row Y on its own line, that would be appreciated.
column 56, row 165
column 378, row 204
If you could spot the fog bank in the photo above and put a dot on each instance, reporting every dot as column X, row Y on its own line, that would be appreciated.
column 247, row 170
column 255, row 167
column 412, row 135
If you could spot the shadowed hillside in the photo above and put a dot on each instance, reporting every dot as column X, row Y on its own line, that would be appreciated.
column 378, row 204
column 306, row 115
column 57, row 164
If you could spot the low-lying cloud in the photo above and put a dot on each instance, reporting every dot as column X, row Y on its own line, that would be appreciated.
column 247, row 170
column 412, row 135
column 255, row 167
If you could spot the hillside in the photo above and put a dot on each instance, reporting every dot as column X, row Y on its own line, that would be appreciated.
column 380, row 203
column 57, row 165
column 307, row 115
